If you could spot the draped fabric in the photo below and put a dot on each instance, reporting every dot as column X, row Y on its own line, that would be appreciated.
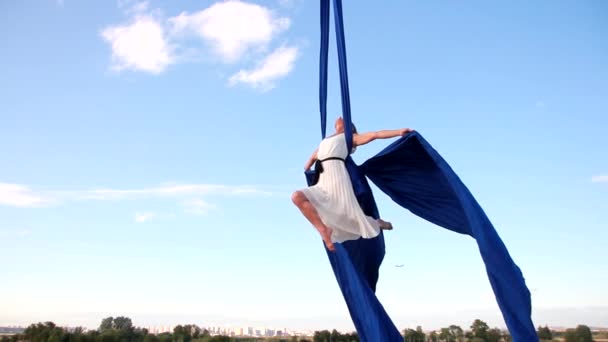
column 417, row 178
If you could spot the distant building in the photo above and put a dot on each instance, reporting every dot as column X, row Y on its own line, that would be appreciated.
column 11, row 330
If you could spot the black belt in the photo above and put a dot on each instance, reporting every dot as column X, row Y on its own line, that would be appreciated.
column 332, row 158
column 319, row 162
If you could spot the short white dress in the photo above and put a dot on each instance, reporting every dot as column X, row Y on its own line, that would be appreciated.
column 334, row 198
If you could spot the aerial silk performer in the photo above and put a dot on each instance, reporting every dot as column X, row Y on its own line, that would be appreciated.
column 330, row 205
column 413, row 174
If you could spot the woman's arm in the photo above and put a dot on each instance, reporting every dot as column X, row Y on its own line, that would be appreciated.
column 311, row 160
column 362, row 139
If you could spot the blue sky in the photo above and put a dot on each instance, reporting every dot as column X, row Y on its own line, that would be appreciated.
column 148, row 151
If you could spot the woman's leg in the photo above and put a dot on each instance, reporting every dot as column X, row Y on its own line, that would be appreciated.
column 309, row 211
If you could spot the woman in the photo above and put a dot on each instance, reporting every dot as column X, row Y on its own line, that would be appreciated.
column 331, row 205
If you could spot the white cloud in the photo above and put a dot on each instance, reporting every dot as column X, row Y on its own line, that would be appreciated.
column 133, row 6
column 290, row 4
column 234, row 30
column 232, row 27
column 143, row 217
column 16, row 195
column 600, row 179
column 141, row 45
column 273, row 67
column 177, row 190
column 198, row 207
column 139, row 7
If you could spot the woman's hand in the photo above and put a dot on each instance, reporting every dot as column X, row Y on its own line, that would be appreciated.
column 405, row 131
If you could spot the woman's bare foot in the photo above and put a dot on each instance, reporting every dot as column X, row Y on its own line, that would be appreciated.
column 385, row 225
column 326, row 235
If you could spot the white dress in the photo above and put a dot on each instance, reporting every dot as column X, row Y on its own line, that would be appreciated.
column 334, row 198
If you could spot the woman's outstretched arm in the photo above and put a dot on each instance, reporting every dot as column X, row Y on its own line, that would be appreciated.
column 362, row 139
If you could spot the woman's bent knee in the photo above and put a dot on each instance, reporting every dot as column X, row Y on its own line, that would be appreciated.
column 297, row 198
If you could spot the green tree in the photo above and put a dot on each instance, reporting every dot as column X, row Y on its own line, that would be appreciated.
column 205, row 333
column 43, row 332
column 321, row 336
column 445, row 335
column 582, row 333
column 353, row 337
column 187, row 332
column 452, row 333
column 123, row 324
column 544, row 333
column 180, row 334
column 195, row 330
column 165, row 337
column 220, row 339
column 150, row 338
column 457, row 332
column 106, row 324
column 411, row 335
column 335, row 335
column 494, row 335
column 480, row 329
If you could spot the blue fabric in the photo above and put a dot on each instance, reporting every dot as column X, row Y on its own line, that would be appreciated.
column 323, row 65
column 346, row 115
column 355, row 263
column 415, row 176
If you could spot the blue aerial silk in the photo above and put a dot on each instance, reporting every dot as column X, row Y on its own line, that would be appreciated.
column 417, row 178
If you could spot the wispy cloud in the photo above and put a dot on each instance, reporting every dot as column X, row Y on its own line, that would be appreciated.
column 16, row 195
column 143, row 217
column 231, row 27
column 176, row 190
column 140, row 45
column 287, row 3
column 198, row 207
column 274, row 66
column 600, row 179
column 131, row 7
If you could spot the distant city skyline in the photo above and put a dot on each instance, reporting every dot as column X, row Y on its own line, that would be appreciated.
column 591, row 316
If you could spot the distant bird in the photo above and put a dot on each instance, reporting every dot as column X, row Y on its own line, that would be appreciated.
column 399, row 265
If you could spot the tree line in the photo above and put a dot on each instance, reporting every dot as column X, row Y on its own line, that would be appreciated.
column 121, row 329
